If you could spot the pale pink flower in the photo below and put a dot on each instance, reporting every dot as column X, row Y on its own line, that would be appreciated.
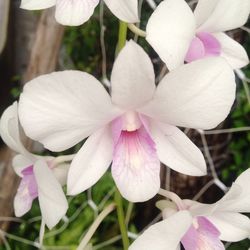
column 77, row 12
column 177, row 34
column 135, row 127
column 38, row 179
column 199, row 226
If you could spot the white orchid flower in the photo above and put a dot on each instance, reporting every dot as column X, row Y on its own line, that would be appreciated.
column 177, row 34
column 77, row 12
column 38, row 179
column 135, row 128
column 201, row 226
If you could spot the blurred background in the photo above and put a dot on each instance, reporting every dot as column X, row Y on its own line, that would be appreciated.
column 31, row 44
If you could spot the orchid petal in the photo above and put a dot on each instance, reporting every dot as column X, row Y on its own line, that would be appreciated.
column 165, row 234
column 22, row 205
column 136, row 167
column 9, row 130
column 37, row 4
column 126, row 11
column 204, row 236
column 196, row 50
column 170, row 30
column 76, row 12
column 200, row 209
column 232, row 51
column 177, row 151
column 235, row 16
column 61, row 173
column 232, row 226
column 20, row 162
column 206, row 97
column 26, row 193
column 168, row 208
column 91, row 162
column 52, row 201
column 63, row 108
column 203, row 10
column 237, row 198
column 132, row 73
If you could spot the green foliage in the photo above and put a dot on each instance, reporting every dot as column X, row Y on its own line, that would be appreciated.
column 239, row 144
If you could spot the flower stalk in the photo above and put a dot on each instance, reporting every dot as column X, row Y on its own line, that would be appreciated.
column 121, row 219
column 122, row 36
column 136, row 30
column 95, row 225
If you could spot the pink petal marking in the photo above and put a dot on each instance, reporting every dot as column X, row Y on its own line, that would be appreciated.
column 202, row 235
column 195, row 51
column 135, row 161
column 203, row 45
column 26, row 193
column 30, row 181
column 135, row 150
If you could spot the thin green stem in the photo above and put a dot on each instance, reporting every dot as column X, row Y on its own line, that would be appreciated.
column 83, row 244
column 121, row 219
column 122, row 36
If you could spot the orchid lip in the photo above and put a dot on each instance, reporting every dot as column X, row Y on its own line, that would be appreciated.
column 203, row 45
column 202, row 234
column 135, row 160
column 29, row 182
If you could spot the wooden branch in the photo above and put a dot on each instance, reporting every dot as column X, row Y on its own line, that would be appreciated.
column 43, row 59
column 44, row 55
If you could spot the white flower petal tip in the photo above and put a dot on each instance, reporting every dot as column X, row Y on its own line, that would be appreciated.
column 170, row 31
column 74, row 13
column 91, row 162
column 52, row 201
column 237, row 198
column 126, row 11
column 243, row 179
column 212, row 17
column 67, row 105
column 208, row 93
column 234, row 53
column 126, row 86
column 163, row 235
column 9, row 129
column 136, row 167
column 37, row 4
column 232, row 226
column 177, row 151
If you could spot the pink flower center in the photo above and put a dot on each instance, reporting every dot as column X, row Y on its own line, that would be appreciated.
column 133, row 144
column 134, row 149
column 203, row 45
column 202, row 235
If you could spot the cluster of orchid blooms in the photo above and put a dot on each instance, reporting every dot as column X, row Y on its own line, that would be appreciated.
column 134, row 127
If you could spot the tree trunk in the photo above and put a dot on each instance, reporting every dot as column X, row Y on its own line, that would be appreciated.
column 43, row 59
